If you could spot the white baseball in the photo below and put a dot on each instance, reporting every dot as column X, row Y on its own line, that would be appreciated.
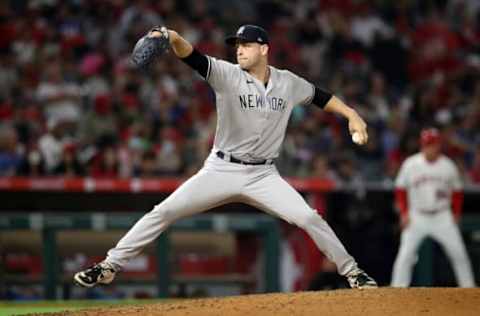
column 356, row 138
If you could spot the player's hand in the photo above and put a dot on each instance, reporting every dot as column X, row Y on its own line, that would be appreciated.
column 172, row 36
column 159, row 31
column 177, row 43
column 456, row 218
column 404, row 221
column 163, row 32
column 357, row 125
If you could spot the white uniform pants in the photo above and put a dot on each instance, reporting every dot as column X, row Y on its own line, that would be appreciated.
column 220, row 182
column 443, row 229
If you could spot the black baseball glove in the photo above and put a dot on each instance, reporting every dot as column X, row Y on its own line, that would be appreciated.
column 149, row 47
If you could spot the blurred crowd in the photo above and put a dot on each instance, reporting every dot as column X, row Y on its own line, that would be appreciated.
column 71, row 105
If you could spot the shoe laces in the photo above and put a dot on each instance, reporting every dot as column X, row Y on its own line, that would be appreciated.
column 355, row 273
column 96, row 270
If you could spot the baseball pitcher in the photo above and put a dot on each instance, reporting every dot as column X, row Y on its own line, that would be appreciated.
column 428, row 188
column 254, row 101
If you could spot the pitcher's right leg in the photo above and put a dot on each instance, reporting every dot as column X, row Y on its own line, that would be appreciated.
column 205, row 190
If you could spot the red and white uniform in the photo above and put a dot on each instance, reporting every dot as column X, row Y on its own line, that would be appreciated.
column 426, row 192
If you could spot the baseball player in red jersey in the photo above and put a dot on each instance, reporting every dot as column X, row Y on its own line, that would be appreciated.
column 428, row 189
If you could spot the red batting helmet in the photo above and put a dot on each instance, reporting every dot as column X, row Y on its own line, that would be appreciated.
column 429, row 136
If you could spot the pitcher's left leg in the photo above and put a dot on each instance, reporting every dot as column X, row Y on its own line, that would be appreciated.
column 274, row 195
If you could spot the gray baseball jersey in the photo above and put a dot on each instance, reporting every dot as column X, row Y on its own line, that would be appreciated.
column 251, row 125
column 251, row 118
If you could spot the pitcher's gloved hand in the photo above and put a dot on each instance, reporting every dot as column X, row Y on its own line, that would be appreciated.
column 154, row 44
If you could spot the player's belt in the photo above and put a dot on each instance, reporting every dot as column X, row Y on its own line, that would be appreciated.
column 429, row 211
column 230, row 158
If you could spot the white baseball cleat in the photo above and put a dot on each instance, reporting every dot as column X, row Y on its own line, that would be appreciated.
column 99, row 273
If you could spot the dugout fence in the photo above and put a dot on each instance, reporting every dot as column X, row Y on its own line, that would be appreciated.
column 362, row 215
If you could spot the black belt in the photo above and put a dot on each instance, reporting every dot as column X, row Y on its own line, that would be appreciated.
column 221, row 155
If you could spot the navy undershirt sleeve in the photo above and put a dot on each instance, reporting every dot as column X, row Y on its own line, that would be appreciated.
column 321, row 97
column 197, row 61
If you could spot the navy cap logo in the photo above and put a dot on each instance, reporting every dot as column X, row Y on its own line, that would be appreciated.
column 240, row 30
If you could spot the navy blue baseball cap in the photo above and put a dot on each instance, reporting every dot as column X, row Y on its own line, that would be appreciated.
column 248, row 34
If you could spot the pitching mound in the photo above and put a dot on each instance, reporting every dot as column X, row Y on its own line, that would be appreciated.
column 383, row 301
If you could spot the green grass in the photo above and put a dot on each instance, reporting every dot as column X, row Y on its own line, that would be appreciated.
column 19, row 308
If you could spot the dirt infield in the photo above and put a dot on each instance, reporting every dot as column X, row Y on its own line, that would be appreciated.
column 383, row 301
